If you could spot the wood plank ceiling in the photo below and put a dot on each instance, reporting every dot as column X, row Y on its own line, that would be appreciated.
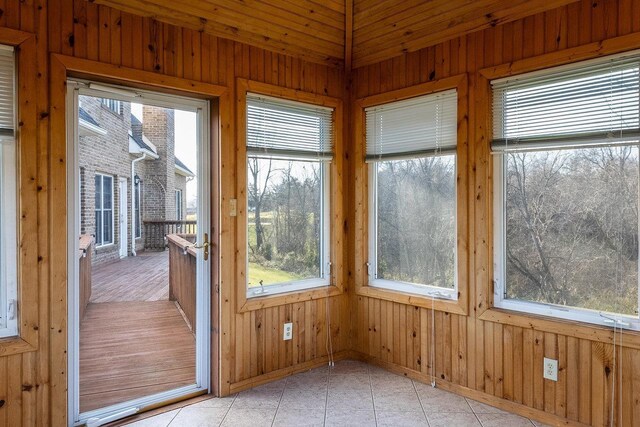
column 316, row 30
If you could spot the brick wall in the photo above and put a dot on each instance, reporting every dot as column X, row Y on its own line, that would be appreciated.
column 110, row 155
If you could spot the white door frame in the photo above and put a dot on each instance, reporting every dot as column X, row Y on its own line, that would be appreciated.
column 123, row 215
column 203, row 268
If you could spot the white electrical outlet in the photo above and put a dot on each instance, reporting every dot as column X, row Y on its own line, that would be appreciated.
column 287, row 333
column 551, row 369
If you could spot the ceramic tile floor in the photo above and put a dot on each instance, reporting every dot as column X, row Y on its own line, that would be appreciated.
column 350, row 394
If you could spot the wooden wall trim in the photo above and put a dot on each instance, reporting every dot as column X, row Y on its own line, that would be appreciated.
column 244, row 86
column 27, row 206
column 362, row 287
column 110, row 73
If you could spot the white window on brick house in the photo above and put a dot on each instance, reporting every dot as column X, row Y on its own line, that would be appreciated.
column 138, row 202
column 104, row 209
column 179, row 205
column 8, row 222
column 113, row 105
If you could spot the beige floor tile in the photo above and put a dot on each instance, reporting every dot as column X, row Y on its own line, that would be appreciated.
column 397, row 383
column 349, row 367
column 216, row 402
column 481, row 408
column 299, row 417
column 350, row 418
column 435, row 400
column 241, row 417
column 499, row 420
column 199, row 417
column 401, row 418
column 453, row 420
column 350, row 382
column 160, row 420
column 258, row 398
column 392, row 400
column 350, row 399
column 304, row 399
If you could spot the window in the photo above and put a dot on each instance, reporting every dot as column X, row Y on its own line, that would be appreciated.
column 8, row 196
column 179, row 205
column 138, row 202
column 289, row 150
column 104, row 209
column 411, row 150
column 113, row 105
column 566, row 191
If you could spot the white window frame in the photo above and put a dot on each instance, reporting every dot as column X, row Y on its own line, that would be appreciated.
column 137, row 209
column 9, row 325
column 372, row 266
column 101, row 231
column 583, row 315
column 419, row 289
column 325, row 245
column 178, row 194
column 113, row 105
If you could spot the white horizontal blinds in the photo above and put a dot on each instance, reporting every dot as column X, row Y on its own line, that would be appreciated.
column 420, row 126
column 284, row 129
column 588, row 103
column 7, row 93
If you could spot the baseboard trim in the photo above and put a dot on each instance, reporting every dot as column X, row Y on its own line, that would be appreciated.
column 285, row 372
column 506, row 405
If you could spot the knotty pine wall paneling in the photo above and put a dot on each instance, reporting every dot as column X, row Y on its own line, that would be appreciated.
column 499, row 361
column 33, row 384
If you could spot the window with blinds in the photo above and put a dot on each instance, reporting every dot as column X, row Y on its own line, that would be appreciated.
column 412, row 128
column 283, row 129
column 411, row 150
column 7, row 93
column 289, row 150
column 567, row 180
column 594, row 102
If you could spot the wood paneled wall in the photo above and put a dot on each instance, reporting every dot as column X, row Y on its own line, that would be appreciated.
column 499, row 360
column 33, row 384
column 480, row 358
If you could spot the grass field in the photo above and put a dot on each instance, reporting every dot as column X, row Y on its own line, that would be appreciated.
column 268, row 275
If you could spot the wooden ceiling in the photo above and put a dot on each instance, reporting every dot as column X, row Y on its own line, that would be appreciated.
column 337, row 32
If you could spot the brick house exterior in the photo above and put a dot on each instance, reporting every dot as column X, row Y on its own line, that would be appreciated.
column 110, row 139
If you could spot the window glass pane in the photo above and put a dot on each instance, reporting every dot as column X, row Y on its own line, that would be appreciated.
column 107, row 192
column 572, row 228
column 416, row 220
column 284, row 220
column 98, row 194
column 108, row 226
column 137, row 212
column 98, row 227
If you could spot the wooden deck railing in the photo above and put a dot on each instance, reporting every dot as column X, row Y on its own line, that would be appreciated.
column 84, row 254
column 182, row 274
column 155, row 232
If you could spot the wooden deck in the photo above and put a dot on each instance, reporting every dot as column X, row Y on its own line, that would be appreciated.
column 133, row 349
column 141, row 278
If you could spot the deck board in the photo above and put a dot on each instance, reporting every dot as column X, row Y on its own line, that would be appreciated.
column 130, row 349
column 141, row 278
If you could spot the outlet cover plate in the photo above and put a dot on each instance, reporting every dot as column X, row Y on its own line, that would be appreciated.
column 287, row 332
column 550, row 369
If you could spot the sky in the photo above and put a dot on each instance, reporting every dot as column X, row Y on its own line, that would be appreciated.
column 185, row 131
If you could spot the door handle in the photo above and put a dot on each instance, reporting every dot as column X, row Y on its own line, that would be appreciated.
column 205, row 245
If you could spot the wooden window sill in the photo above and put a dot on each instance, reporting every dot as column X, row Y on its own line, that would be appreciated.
column 260, row 302
column 450, row 306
